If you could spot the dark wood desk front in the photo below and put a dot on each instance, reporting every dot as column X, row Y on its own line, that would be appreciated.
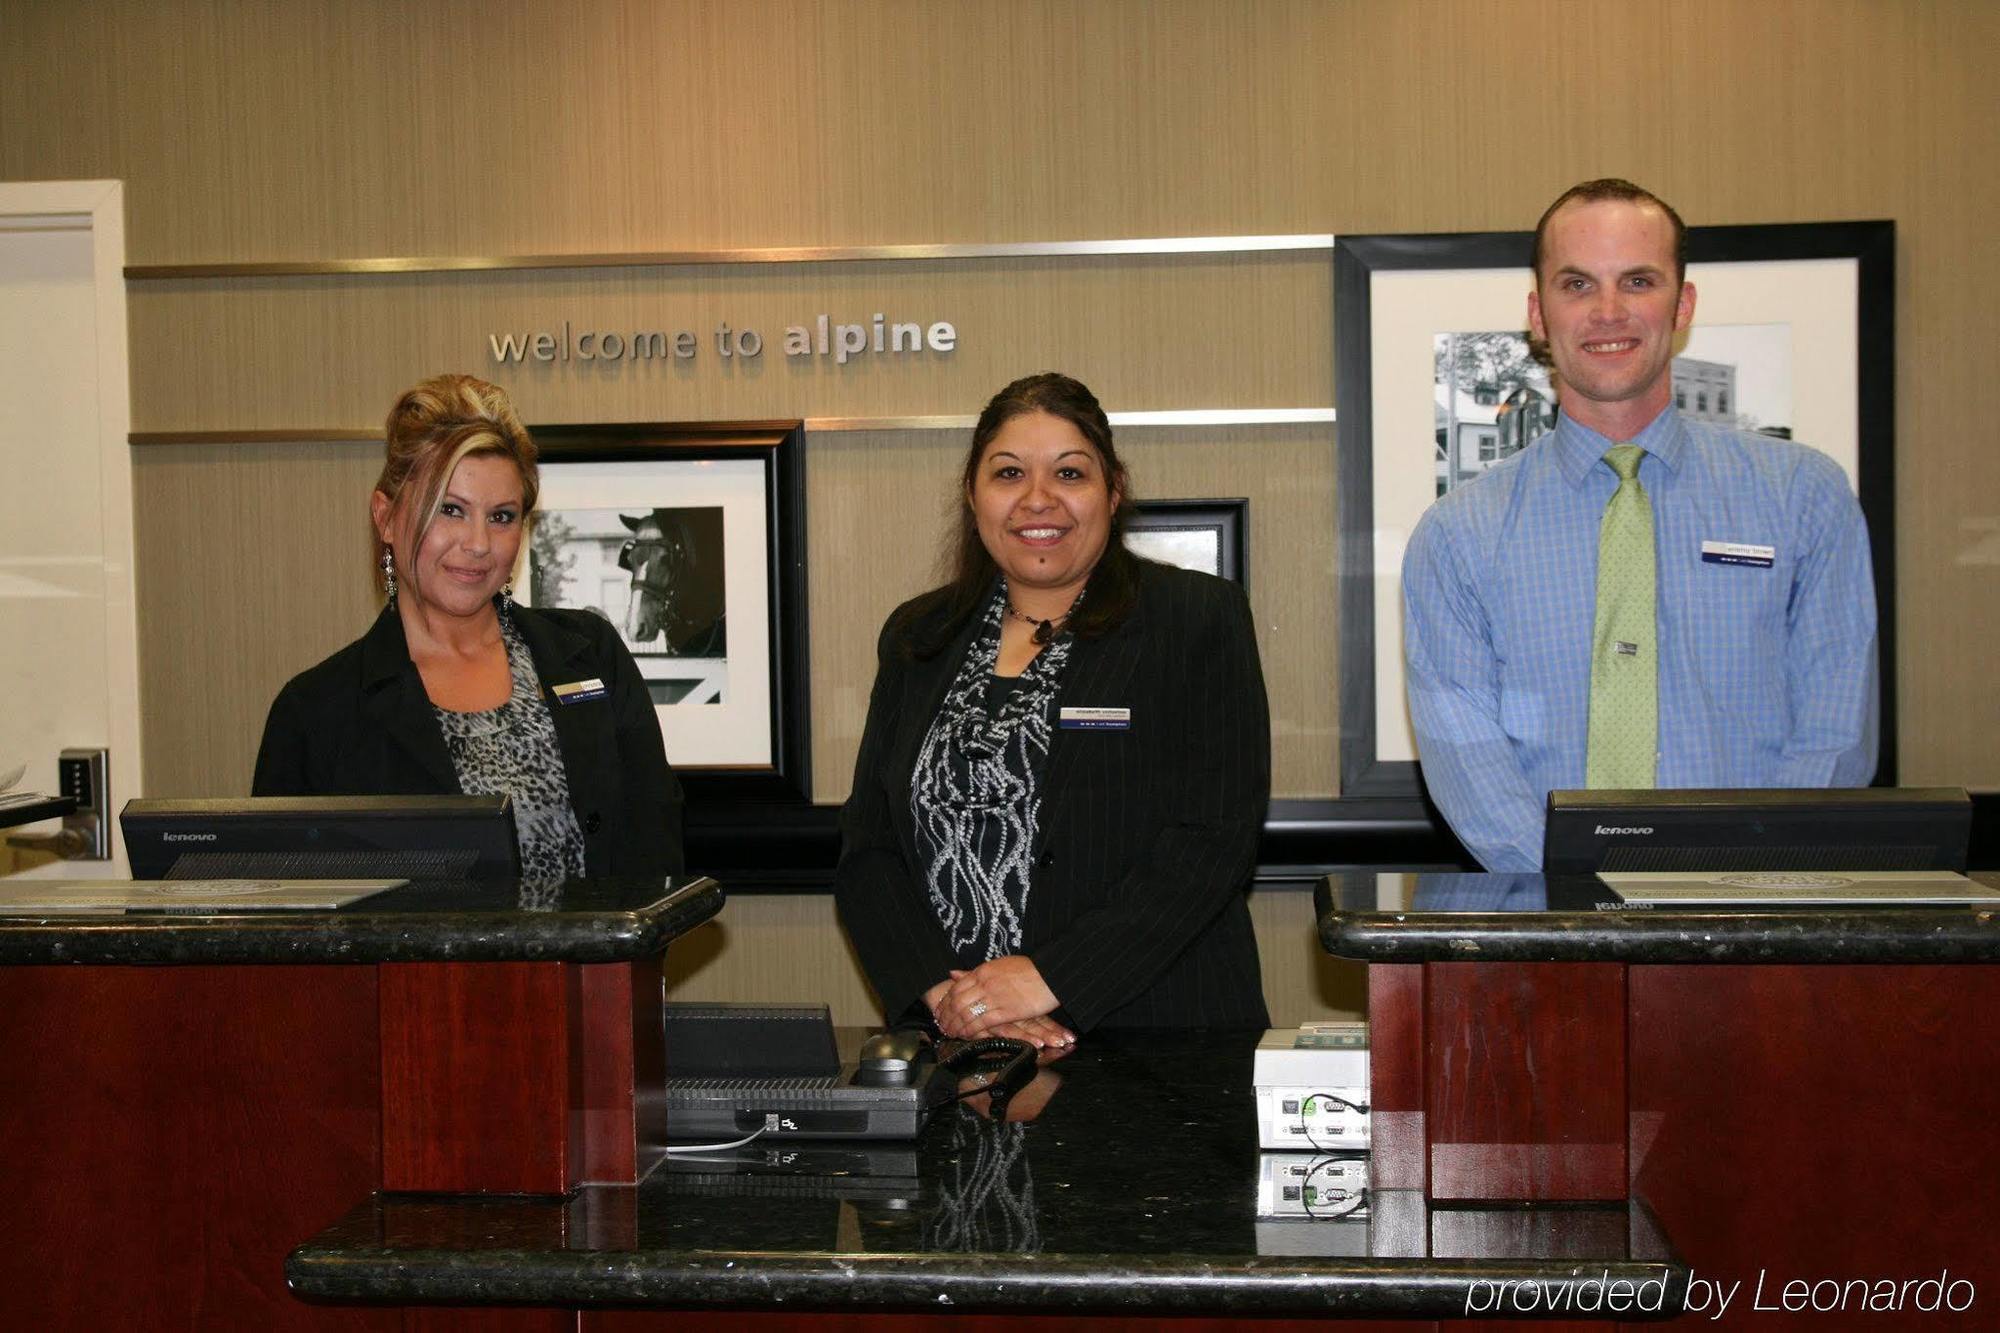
column 1799, row 1095
column 188, row 1097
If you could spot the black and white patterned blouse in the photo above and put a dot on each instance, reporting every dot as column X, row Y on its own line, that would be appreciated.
column 974, row 792
column 512, row 750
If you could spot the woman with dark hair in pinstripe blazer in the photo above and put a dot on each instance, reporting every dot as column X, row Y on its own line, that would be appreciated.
column 1066, row 762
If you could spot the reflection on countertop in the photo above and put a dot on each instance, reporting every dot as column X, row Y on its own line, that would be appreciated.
column 1133, row 1184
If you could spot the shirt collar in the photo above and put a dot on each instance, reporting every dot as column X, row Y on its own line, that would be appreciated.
column 1579, row 448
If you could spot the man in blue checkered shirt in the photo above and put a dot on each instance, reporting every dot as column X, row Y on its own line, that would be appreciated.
column 1765, row 606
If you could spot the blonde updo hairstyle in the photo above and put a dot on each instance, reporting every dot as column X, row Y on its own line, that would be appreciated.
column 431, row 429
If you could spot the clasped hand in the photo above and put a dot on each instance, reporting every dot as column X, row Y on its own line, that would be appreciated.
column 1002, row 998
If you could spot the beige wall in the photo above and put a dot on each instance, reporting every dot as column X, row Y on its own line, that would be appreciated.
column 310, row 131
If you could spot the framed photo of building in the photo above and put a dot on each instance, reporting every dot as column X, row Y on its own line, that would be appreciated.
column 1209, row 536
column 1793, row 336
column 690, row 539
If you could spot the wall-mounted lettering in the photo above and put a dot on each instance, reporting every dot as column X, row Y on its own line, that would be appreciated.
column 879, row 336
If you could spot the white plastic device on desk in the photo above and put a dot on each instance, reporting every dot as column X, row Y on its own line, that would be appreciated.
column 1312, row 1087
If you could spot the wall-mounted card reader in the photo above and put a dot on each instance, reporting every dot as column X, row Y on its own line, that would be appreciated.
column 83, row 775
column 86, row 775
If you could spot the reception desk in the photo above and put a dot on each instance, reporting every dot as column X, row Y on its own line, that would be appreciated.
column 1799, row 1095
column 187, row 1097
column 429, row 1112
column 1123, row 1187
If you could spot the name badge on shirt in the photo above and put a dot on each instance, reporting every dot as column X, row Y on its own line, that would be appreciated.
column 1095, row 719
column 1738, row 553
column 578, row 691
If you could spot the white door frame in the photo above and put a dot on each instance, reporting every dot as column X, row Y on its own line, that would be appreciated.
column 99, row 207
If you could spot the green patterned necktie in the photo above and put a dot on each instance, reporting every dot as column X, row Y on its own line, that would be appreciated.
column 1624, row 661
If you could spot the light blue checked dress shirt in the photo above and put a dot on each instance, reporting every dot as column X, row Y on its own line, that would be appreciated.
column 1767, row 675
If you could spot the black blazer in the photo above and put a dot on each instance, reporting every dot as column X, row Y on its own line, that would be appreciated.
column 360, row 724
column 1148, row 837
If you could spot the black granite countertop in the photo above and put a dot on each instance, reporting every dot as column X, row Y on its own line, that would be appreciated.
column 1394, row 918
column 589, row 921
column 1129, row 1183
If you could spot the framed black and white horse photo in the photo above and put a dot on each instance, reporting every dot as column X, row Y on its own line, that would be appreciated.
column 689, row 538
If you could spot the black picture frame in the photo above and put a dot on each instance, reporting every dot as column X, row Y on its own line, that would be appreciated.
column 1227, row 519
column 778, row 447
column 1869, row 246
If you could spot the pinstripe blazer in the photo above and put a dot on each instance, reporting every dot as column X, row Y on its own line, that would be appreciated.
column 1148, row 837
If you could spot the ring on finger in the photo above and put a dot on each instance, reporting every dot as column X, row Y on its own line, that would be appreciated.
column 978, row 1008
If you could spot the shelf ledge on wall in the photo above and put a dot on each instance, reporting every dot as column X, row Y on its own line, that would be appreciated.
column 1176, row 417
column 795, row 254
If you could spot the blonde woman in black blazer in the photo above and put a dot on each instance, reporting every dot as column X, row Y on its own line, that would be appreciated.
column 1066, row 762
column 360, row 723
column 455, row 689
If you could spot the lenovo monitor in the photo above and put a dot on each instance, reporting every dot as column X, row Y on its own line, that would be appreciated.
column 323, row 837
column 1757, row 828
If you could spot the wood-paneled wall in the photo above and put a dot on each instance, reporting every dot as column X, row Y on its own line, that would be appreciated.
column 254, row 564
column 333, row 129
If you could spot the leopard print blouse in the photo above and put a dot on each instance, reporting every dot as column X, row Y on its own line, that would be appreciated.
column 512, row 750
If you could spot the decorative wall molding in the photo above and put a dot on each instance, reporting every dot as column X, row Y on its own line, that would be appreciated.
column 1183, row 417
column 797, row 254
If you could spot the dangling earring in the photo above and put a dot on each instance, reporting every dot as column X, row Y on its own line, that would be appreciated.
column 389, row 574
column 507, row 599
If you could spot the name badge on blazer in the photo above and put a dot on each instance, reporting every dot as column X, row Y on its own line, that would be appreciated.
column 578, row 691
column 1738, row 553
column 1095, row 719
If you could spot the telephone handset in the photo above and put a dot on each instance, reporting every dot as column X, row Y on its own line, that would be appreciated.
column 897, row 1058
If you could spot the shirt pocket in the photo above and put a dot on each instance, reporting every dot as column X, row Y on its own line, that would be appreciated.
column 1736, row 638
column 1738, row 611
